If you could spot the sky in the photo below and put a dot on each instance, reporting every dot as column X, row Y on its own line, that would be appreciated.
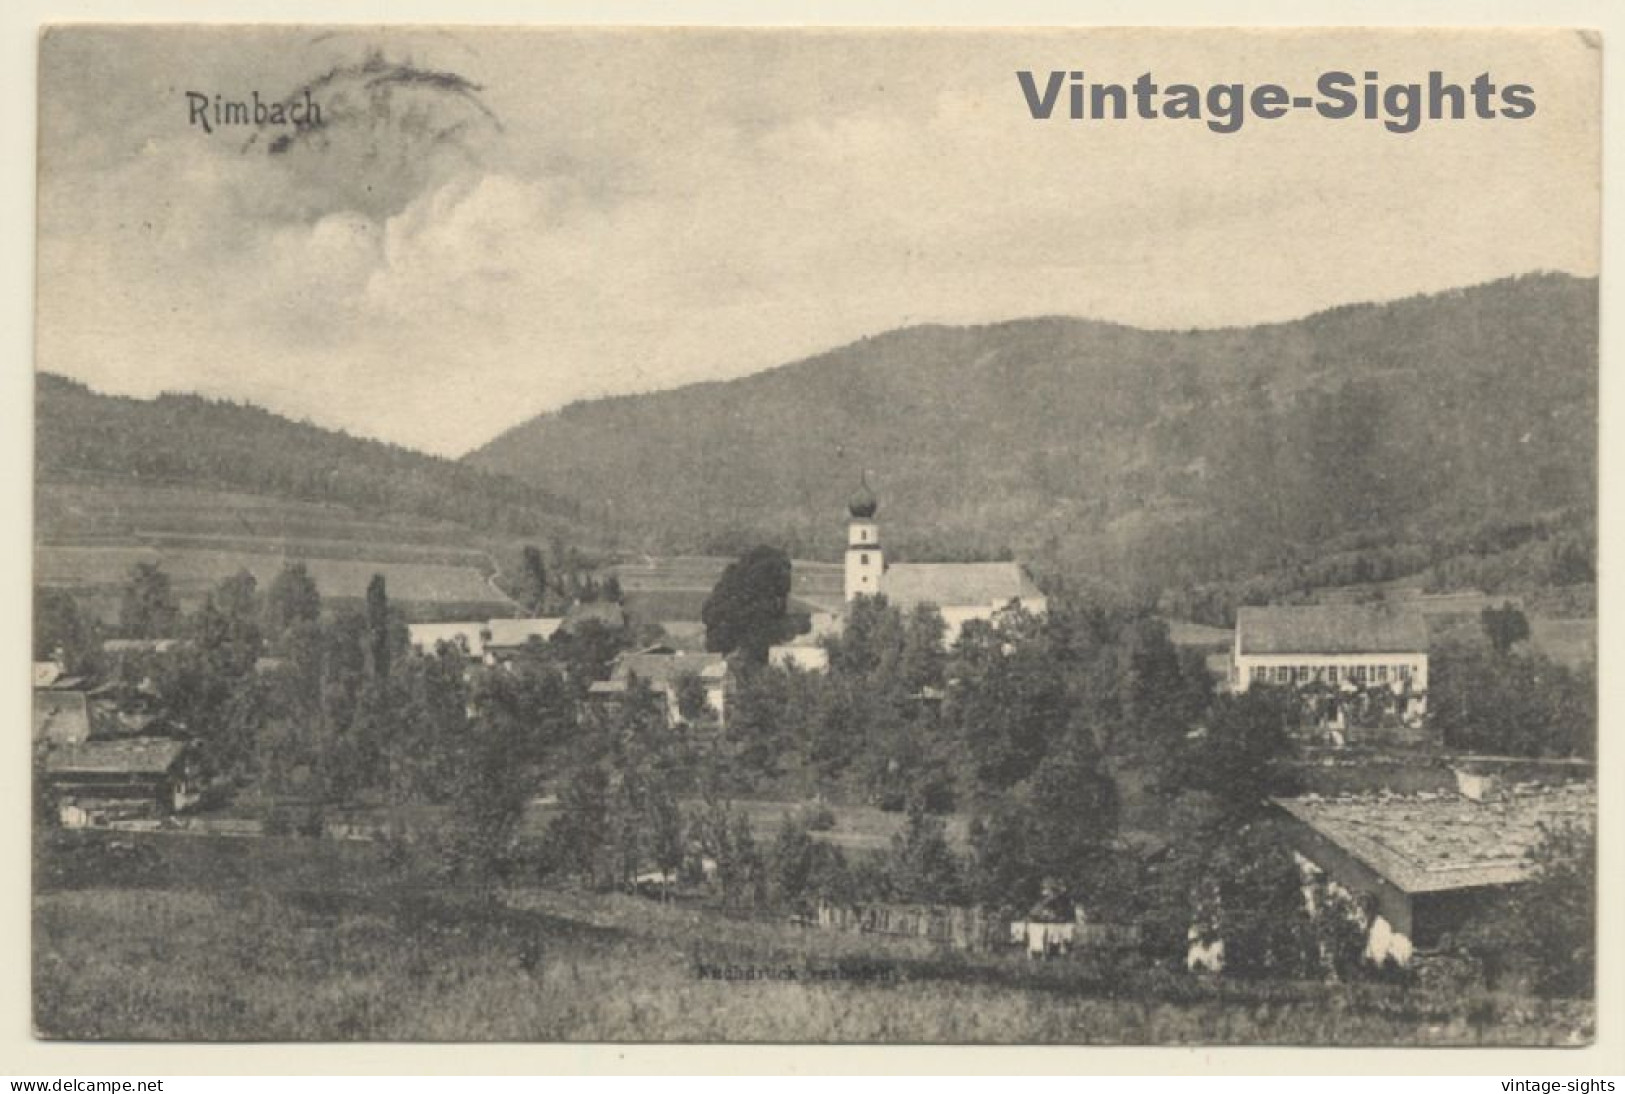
column 568, row 214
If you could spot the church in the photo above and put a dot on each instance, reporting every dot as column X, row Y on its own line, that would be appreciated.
column 961, row 591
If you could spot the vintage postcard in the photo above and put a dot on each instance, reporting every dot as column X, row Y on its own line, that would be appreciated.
column 897, row 536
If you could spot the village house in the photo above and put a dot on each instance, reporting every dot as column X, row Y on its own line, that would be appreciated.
column 1341, row 657
column 807, row 651
column 61, row 717
column 505, row 639
column 604, row 613
column 95, row 782
column 493, row 641
column 1423, row 864
column 663, row 670
column 469, row 637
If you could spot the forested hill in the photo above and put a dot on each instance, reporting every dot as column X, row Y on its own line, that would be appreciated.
column 189, row 441
column 1162, row 456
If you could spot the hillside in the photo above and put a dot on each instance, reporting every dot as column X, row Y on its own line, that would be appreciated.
column 1153, row 458
column 207, row 488
column 197, row 442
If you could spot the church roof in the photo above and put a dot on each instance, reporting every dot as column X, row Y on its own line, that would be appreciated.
column 863, row 503
column 1331, row 628
column 954, row 584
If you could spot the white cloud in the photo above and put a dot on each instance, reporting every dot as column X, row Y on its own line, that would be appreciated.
column 659, row 210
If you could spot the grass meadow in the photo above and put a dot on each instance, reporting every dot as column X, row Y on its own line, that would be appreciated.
column 207, row 938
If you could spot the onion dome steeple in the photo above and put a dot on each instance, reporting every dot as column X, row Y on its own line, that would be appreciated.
column 863, row 504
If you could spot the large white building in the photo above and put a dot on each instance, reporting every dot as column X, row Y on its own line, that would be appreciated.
column 1335, row 647
column 962, row 591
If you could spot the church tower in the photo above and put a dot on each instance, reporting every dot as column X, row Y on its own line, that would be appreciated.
column 865, row 561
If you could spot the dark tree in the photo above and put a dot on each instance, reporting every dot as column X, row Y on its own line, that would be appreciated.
column 149, row 608
column 1548, row 926
column 292, row 599
column 1009, row 702
column 1523, row 704
column 924, row 868
column 533, row 581
column 747, row 611
column 1505, row 626
column 1001, row 874
column 378, row 626
column 1073, row 809
column 61, row 630
column 1159, row 700
column 620, row 816
column 1234, row 755
column 586, row 652
column 804, row 867
column 723, row 835
column 923, row 658
column 227, row 626
column 692, row 701
column 519, row 718
column 1251, row 896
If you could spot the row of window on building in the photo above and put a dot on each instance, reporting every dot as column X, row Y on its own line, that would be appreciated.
column 1330, row 674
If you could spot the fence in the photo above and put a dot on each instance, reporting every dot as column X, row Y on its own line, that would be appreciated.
column 961, row 928
column 964, row 928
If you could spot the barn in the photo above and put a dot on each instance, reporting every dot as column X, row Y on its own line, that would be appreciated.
column 1425, row 863
column 140, row 777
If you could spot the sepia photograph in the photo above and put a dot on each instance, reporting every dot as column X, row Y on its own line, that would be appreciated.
column 816, row 536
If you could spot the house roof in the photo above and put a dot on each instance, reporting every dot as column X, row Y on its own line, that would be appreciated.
column 957, row 584
column 1199, row 635
column 1437, row 842
column 803, row 655
column 607, row 612
column 427, row 636
column 1331, row 628
column 61, row 715
column 662, row 669
column 683, row 634
column 506, row 633
column 134, row 756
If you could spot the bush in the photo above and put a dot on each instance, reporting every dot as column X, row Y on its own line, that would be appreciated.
column 311, row 823
column 1546, row 928
column 817, row 817
column 277, row 822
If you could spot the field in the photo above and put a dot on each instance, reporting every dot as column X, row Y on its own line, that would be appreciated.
column 677, row 587
column 197, row 938
column 1571, row 642
column 858, row 828
column 101, row 572
column 90, row 534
